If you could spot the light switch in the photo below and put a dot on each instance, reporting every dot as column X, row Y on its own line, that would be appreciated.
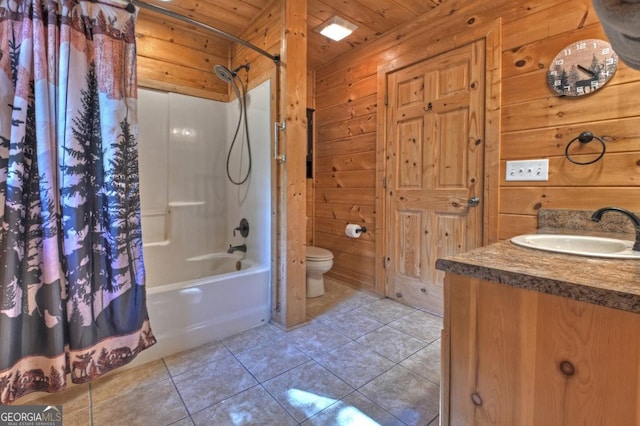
column 528, row 170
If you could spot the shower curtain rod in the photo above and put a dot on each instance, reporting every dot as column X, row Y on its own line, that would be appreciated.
column 275, row 58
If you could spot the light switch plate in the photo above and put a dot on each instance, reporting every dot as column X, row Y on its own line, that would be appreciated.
column 528, row 170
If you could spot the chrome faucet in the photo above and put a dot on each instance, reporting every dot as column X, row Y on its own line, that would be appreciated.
column 241, row 247
column 597, row 215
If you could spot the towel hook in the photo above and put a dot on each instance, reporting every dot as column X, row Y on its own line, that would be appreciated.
column 583, row 138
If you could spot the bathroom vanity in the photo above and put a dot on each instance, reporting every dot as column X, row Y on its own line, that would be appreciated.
column 538, row 338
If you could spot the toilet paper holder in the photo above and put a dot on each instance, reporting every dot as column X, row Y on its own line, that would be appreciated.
column 353, row 230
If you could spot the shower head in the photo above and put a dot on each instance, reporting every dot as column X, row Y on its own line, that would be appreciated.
column 227, row 75
column 224, row 73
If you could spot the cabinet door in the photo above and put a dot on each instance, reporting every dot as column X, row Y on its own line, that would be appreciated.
column 520, row 357
column 491, row 346
column 587, row 364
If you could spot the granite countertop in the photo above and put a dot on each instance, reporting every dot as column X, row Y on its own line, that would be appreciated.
column 608, row 282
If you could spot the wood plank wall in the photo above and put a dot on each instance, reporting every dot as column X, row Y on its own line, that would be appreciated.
column 264, row 32
column 534, row 124
column 177, row 57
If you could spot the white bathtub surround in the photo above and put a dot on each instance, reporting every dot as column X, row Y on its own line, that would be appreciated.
column 253, row 199
column 189, row 212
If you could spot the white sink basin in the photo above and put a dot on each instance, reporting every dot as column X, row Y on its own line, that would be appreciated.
column 579, row 245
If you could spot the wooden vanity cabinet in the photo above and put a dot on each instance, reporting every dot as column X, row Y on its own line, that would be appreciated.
column 520, row 357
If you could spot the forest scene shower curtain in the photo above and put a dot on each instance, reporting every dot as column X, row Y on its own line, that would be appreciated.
column 72, row 296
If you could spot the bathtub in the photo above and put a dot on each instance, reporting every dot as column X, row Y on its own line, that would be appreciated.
column 233, row 298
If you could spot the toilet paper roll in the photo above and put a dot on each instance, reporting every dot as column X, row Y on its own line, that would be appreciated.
column 353, row 231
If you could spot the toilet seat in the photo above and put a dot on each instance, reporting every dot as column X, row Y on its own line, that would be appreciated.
column 317, row 253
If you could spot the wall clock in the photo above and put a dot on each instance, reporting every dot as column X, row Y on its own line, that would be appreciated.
column 582, row 67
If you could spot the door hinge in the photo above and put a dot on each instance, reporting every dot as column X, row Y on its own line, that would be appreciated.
column 386, row 99
column 384, row 182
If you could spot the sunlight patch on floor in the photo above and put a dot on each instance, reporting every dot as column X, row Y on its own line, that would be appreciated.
column 353, row 416
column 312, row 404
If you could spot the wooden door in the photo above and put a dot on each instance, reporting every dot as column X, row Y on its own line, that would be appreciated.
column 435, row 146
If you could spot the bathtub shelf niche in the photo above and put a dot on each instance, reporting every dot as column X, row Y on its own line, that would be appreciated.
column 186, row 203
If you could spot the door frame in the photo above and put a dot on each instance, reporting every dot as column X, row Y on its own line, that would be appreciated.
column 491, row 34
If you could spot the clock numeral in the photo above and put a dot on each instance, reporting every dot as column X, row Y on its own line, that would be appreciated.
column 606, row 50
column 581, row 46
column 567, row 52
column 557, row 82
column 559, row 61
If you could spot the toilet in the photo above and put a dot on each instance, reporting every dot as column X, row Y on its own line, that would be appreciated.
column 319, row 261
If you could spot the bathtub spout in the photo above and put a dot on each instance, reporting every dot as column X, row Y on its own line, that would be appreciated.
column 242, row 248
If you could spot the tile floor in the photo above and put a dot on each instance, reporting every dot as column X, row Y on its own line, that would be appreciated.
column 360, row 360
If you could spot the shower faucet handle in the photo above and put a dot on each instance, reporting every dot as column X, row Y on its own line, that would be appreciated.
column 243, row 228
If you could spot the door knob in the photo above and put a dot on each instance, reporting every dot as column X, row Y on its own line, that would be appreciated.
column 473, row 201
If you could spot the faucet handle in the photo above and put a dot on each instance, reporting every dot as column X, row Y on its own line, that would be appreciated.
column 243, row 228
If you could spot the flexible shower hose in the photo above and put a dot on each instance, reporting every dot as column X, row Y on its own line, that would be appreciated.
column 243, row 115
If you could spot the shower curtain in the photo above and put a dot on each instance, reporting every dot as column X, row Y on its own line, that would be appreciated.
column 72, row 298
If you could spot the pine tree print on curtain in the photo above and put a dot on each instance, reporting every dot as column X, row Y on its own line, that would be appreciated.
column 72, row 298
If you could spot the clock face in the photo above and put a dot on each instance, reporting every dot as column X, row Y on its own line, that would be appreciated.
column 582, row 67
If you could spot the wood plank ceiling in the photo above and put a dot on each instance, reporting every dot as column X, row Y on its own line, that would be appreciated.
column 373, row 18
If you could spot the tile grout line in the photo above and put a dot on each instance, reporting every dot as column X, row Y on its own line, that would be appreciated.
column 258, row 383
column 278, row 402
column 425, row 343
column 221, row 401
column 395, row 364
column 184, row 404
column 354, row 389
